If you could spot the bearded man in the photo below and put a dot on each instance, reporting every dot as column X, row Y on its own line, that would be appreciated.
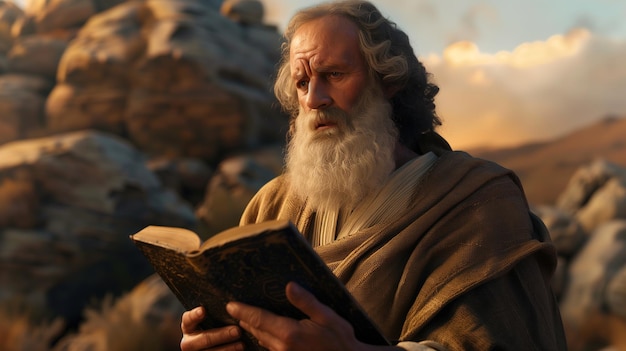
column 438, row 247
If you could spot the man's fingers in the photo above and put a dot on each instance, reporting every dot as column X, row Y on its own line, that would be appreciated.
column 226, row 337
column 197, row 339
column 250, row 314
column 283, row 333
column 308, row 304
column 191, row 319
column 263, row 324
column 265, row 338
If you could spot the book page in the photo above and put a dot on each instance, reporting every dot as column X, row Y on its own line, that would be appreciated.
column 178, row 239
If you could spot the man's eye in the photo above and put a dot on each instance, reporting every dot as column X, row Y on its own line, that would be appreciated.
column 335, row 74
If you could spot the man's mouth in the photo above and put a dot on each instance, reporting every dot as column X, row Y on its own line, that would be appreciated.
column 323, row 125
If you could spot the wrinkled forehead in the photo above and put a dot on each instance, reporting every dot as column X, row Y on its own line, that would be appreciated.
column 324, row 43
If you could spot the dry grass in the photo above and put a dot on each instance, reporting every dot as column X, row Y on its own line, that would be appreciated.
column 147, row 318
column 135, row 322
column 113, row 327
column 132, row 322
column 19, row 332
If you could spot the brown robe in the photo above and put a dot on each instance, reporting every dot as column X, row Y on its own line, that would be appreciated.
column 467, row 265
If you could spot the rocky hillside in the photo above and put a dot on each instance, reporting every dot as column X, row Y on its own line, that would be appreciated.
column 545, row 168
column 119, row 114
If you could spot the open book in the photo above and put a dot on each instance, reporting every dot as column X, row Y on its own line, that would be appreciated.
column 250, row 264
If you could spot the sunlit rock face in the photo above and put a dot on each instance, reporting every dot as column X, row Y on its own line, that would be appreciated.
column 177, row 78
column 115, row 115
column 67, row 206
column 588, row 228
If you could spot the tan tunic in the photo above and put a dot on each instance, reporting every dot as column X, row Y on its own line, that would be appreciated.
column 467, row 265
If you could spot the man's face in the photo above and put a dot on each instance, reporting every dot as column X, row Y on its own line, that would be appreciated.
column 344, row 138
column 327, row 67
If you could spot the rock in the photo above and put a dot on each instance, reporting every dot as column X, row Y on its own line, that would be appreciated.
column 103, row 52
column 20, row 200
column 187, row 176
column 236, row 180
column 10, row 13
column 22, row 100
column 590, row 271
column 197, row 124
column 49, row 15
column 23, row 26
column 616, row 294
column 606, row 204
column 80, row 196
column 37, row 55
column 3, row 63
column 170, row 79
column 28, row 82
column 248, row 12
column 198, row 84
column 585, row 182
column 93, row 87
column 566, row 232
column 71, row 108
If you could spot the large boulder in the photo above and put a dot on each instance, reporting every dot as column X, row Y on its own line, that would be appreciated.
column 606, row 204
column 37, row 55
column 248, row 12
column 50, row 15
column 187, row 176
column 235, row 182
column 175, row 77
column 594, row 269
column 616, row 294
column 585, row 182
column 10, row 13
column 567, row 236
column 22, row 101
column 67, row 206
column 93, row 74
column 566, row 232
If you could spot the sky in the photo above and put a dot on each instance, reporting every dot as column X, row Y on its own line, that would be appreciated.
column 511, row 71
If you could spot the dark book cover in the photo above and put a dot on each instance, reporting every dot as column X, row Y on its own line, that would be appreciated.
column 255, row 269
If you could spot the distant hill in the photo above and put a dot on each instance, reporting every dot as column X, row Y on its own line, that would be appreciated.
column 546, row 168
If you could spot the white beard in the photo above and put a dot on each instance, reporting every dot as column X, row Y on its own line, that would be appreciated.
column 337, row 168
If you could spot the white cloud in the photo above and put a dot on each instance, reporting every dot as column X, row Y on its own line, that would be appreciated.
column 544, row 87
column 538, row 91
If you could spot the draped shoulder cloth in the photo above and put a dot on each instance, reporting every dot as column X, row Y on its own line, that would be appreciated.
column 467, row 265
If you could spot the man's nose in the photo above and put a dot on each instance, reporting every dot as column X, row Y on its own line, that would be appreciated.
column 318, row 96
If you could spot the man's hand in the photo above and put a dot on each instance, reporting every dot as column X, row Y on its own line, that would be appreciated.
column 194, row 339
column 324, row 330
